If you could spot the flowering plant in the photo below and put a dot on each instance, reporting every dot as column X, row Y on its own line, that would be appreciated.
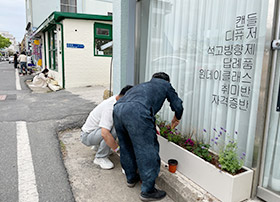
column 228, row 155
column 227, row 158
column 202, row 150
column 173, row 135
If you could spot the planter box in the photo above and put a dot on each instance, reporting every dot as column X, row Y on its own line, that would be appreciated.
column 222, row 185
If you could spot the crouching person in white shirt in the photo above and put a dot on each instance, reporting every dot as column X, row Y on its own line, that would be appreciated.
column 99, row 130
column 41, row 80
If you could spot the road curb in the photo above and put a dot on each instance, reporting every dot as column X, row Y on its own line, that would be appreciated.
column 71, row 122
column 180, row 188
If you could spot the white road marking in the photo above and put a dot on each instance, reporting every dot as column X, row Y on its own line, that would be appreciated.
column 27, row 188
column 18, row 86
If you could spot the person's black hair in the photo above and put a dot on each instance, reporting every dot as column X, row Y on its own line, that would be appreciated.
column 45, row 71
column 161, row 75
column 23, row 52
column 125, row 89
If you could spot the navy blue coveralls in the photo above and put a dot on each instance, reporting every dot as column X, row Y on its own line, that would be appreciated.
column 135, row 125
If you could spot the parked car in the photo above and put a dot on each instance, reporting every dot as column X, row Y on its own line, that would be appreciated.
column 11, row 59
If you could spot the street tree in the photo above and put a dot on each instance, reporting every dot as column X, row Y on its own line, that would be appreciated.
column 4, row 42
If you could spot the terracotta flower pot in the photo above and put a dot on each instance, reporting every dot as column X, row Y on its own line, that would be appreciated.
column 172, row 165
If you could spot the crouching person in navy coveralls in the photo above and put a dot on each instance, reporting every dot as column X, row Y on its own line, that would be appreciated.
column 134, row 119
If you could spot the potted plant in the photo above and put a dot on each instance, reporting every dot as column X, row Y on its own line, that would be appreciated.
column 222, row 175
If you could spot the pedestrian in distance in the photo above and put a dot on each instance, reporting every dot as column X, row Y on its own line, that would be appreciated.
column 15, row 60
column 22, row 60
column 29, row 64
column 134, row 119
column 99, row 130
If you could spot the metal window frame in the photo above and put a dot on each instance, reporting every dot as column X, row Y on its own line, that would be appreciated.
column 273, row 27
column 52, row 49
column 98, row 36
column 49, row 45
column 138, row 31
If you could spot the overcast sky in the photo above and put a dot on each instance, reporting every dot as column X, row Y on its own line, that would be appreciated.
column 12, row 17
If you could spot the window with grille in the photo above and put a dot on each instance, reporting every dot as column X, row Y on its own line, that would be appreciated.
column 68, row 6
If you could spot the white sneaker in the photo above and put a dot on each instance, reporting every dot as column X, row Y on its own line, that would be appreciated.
column 95, row 147
column 104, row 163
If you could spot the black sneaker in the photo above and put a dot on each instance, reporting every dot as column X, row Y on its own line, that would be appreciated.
column 152, row 196
column 132, row 183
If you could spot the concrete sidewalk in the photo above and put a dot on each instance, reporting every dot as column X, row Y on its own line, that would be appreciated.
column 90, row 183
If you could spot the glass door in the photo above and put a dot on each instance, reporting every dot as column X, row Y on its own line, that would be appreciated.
column 269, row 188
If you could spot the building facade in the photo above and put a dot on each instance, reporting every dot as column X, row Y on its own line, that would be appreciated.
column 38, row 10
column 222, row 60
column 76, row 48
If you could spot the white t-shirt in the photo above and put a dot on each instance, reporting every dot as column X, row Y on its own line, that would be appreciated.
column 101, row 116
column 40, row 80
column 22, row 58
column 28, row 60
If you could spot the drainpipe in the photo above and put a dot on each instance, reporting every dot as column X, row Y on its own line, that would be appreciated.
column 62, row 47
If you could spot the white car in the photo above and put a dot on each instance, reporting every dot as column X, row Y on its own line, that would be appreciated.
column 11, row 59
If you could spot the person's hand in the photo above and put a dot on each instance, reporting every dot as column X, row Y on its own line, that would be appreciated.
column 117, row 149
column 174, row 122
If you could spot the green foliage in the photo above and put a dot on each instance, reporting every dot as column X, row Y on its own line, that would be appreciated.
column 175, row 137
column 229, row 160
column 4, row 42
column 198, row 148
column 202, row 150
column 170, row 134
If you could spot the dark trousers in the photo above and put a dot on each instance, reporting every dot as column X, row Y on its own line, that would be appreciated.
column 139, row 147
column 23, row 68
column 15, row 64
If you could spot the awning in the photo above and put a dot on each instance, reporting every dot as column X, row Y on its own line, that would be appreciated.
column 59, row 16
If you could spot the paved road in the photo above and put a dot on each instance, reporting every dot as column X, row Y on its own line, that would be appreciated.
column 30, row 118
